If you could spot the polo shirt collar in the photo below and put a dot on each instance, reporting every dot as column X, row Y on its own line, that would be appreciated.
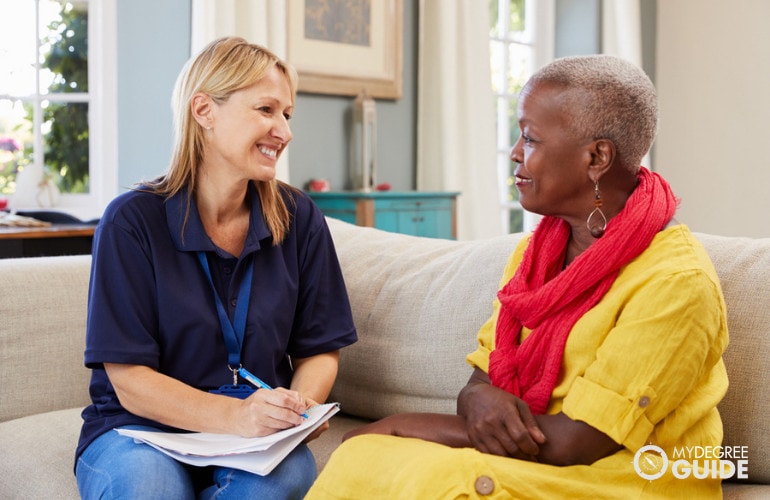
column 195, row 238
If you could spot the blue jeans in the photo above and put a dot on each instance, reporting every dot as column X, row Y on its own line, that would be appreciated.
column 115, row 466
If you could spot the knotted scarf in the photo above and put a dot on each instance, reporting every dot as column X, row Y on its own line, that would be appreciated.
column 549, row 301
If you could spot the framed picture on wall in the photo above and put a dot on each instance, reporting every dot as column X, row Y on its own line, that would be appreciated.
column 346, row 47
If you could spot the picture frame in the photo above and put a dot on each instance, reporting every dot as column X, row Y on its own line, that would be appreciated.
column 347, row 48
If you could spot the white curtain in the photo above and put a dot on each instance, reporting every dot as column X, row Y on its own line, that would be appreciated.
column 622, row 34
column 456, row 142
column 258, row 21
column 622, row 29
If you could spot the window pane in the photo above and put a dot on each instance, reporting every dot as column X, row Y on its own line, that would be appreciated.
column 64, row 48
column 497, row 62
column 503, row 169
column 65, row 132
column 517, row 12
column 519, row 57
column 17, row 50
column 513, row 122
column 513, row 193
column 502, row 122
column 512, row 54
column 516, row 221
column 494, row 20
column 15, row 142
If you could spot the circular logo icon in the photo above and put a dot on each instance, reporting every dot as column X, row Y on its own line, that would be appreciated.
column 650, row 462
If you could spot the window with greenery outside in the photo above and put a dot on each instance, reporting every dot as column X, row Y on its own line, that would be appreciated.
column 511, row 56
column 47, row 114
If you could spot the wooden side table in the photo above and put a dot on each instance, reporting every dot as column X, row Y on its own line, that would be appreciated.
column 56, row 239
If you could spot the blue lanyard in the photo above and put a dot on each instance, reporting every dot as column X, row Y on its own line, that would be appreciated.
column 232, row 332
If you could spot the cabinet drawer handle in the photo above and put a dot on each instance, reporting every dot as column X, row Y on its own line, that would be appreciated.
column 418, row 219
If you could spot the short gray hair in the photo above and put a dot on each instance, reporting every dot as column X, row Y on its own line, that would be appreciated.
column 608, row 98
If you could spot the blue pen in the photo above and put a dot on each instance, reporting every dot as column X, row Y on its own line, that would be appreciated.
column 243, row 372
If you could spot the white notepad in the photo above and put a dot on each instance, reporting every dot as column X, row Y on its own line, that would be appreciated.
column 259, row 455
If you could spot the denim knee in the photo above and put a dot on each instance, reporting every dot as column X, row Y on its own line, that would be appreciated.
column 115, row 466
column 291, row 479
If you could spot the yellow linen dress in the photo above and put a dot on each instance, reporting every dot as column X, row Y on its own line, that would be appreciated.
column 644, row 366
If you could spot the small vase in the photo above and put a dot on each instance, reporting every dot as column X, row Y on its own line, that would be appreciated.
column 48, row 193
column 34, row 189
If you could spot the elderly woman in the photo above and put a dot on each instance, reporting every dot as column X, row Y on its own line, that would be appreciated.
column 606, row 336
column 214, row 266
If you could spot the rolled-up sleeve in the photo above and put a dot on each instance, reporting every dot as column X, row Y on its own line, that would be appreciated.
column 668, row 337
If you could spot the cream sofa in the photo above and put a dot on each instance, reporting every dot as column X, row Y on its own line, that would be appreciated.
column 417, row 304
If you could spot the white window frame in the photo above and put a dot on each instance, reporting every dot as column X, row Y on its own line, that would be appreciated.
column 102, row 116
column 539, row 35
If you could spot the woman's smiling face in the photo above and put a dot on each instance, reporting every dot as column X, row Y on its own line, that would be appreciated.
column 553, row 158
column 251, row 128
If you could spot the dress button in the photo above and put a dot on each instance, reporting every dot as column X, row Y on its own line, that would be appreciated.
column 644, row 402
column 484, row 485
column 233, row 302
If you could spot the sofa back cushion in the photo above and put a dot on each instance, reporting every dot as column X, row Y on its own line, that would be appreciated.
column 417, row 304
column 743, row 266
column 42, row 334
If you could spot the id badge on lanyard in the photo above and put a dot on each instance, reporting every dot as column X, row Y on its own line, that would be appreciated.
column 233, row 332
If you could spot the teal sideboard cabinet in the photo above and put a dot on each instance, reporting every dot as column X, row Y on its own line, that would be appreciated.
column 419, row 213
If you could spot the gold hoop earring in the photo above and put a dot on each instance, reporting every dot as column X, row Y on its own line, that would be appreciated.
column 596, row 227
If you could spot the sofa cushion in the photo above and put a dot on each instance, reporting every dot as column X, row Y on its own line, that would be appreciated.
column 43, row 449
column 417, row 304
column 743, row 266
column 42, row 334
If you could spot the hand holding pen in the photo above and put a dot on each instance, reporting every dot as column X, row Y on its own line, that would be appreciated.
column 250, row 377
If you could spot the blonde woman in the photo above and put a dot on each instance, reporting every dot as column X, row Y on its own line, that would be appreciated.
column 214, row 266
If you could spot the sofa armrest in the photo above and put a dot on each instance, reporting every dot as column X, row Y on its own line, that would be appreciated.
column 42, row 334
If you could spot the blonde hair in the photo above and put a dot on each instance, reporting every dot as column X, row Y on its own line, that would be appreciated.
column 224, row 66
column 608, row 98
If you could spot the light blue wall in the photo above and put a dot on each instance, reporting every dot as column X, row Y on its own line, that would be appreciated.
column 321, row 127
column 649, row 12
column 578, row 27
column 153, row 45
column 578, row 30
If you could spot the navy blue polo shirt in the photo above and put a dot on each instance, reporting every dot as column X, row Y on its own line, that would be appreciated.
column 150, row 302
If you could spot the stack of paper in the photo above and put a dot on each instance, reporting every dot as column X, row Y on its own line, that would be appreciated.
column 259, row 455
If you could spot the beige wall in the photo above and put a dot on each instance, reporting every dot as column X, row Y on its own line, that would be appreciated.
column 713, row 80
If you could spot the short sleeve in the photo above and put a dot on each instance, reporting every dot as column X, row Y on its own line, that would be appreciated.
column 122, row 312
column 323, row 321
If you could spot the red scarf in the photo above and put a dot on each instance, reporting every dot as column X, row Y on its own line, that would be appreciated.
column 549, row 301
